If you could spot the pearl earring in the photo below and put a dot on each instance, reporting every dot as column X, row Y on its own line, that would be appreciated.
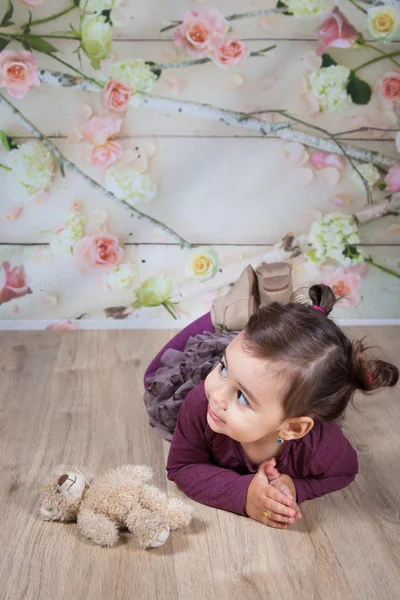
column 279, row 440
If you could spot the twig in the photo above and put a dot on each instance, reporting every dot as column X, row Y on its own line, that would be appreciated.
column 51, row 18
column 394, row 3
column 382, row 53
column 283, row 130
column 201, row 61
column 63, row 162
column 235, row 17
column 370, row 261
column 376, row 59
column 354, row 3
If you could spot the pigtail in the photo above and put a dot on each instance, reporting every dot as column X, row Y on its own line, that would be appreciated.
column 322, row 297
column 370, row 374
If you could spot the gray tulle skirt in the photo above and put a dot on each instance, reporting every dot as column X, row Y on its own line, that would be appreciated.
column 180, row 372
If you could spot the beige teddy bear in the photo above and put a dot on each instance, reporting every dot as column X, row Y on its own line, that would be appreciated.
column 122, row 498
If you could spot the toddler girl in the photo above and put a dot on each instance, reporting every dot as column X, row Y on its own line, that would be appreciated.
column 253, row 413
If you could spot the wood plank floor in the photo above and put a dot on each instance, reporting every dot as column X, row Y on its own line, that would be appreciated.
column 76, row 398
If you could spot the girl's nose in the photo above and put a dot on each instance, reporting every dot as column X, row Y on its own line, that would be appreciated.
column 219, row 397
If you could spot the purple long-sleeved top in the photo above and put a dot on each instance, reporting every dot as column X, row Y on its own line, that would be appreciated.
column 214, row 470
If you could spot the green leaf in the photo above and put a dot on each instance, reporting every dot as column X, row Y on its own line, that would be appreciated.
column 351, row 252
column 153, row 65
column 382, row 187
column 4, row 140
column 6, row 21
column 37, row 43
column 3, row 43
column 27, row 27
column 77, row 2
column 327, row 61
column 359, row 90
column 283, row 5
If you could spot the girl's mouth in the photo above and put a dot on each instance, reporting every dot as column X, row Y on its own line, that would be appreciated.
column 214, row 416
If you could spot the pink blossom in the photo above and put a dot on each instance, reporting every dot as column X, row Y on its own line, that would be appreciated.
column 345, row 283
column 12, row 283
column 106, row 155
column 201, row 32
column 230, row 54
column 99, row 251
column 98, row 131
column 116, row 95
column 321, row 160
column 392, row 179
column 65, row 325
column 336, row 30
column 18, row 72
column 389, row 87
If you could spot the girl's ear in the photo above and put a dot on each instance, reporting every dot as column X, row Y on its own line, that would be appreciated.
column 297, row 428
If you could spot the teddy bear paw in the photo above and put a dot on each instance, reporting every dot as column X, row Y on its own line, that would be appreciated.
column 162, row 537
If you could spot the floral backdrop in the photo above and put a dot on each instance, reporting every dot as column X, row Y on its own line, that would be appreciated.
column 149, row 152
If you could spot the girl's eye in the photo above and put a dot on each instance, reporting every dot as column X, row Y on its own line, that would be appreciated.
column 242, row 399
column 222, row 369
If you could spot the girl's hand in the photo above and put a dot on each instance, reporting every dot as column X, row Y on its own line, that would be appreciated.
column 283, row 483
column 264, row 497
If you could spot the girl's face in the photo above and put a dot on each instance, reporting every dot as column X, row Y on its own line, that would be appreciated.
column 244, row 395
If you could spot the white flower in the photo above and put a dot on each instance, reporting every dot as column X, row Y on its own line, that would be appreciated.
column 383, row 23
column 122, row 277
column 306, row 9
column 136, row 73
column 334, row 236
column 370, row 173
column 96, row 39
column 328, row 85
column 131, row 185
column 63, row 242
column 202, row 264
column 32, row 170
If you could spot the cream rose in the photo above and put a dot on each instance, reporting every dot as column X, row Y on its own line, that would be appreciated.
column 96, row 39
column 154, row 291
column 383, row 22
column 202, row 264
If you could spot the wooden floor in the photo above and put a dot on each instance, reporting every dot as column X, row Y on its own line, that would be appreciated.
column 76, row 398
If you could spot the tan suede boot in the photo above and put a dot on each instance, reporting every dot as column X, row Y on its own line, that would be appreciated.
column 231, row 311
column 274, row 282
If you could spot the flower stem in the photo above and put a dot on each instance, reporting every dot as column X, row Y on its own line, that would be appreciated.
column 51, row 18
column 358, row 6
column 170, row 309
column 64, row 162
column 76, row 70
column 376, row 59
column 5, row 167
column 235, row 17
column 383, row 53
column 371, row 262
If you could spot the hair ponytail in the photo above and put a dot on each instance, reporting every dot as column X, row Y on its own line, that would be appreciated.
column 371, row 374
column 322, row 297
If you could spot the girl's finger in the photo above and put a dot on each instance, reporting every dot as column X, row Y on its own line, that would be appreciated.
column 278, row 508
column 273, row 516
column 276, row 495
column 274, row 524
column 271, row 472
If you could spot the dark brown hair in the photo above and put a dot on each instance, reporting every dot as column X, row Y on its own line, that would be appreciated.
column 324, row 368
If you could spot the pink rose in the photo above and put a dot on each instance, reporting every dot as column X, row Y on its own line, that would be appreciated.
column 116, row 95
column 392, row 179
column 31, row 3
column 106, row 155
column 230, row 54
column 345, row 283
column 98, row 130
column 12, row 283
column 98, row 251
column 65, row 325
column 321, row 160
column 389, row 86
column 336, row 30
column 201, row 32
column 18, row 72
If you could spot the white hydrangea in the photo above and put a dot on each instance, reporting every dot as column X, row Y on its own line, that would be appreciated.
column 329, row 85
column 122, row 277
column 32, row 170
column 62, row 243
column 131, row 185
column 370, row 173
column 334, row 236
column 136, row 73
column 306, row 9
